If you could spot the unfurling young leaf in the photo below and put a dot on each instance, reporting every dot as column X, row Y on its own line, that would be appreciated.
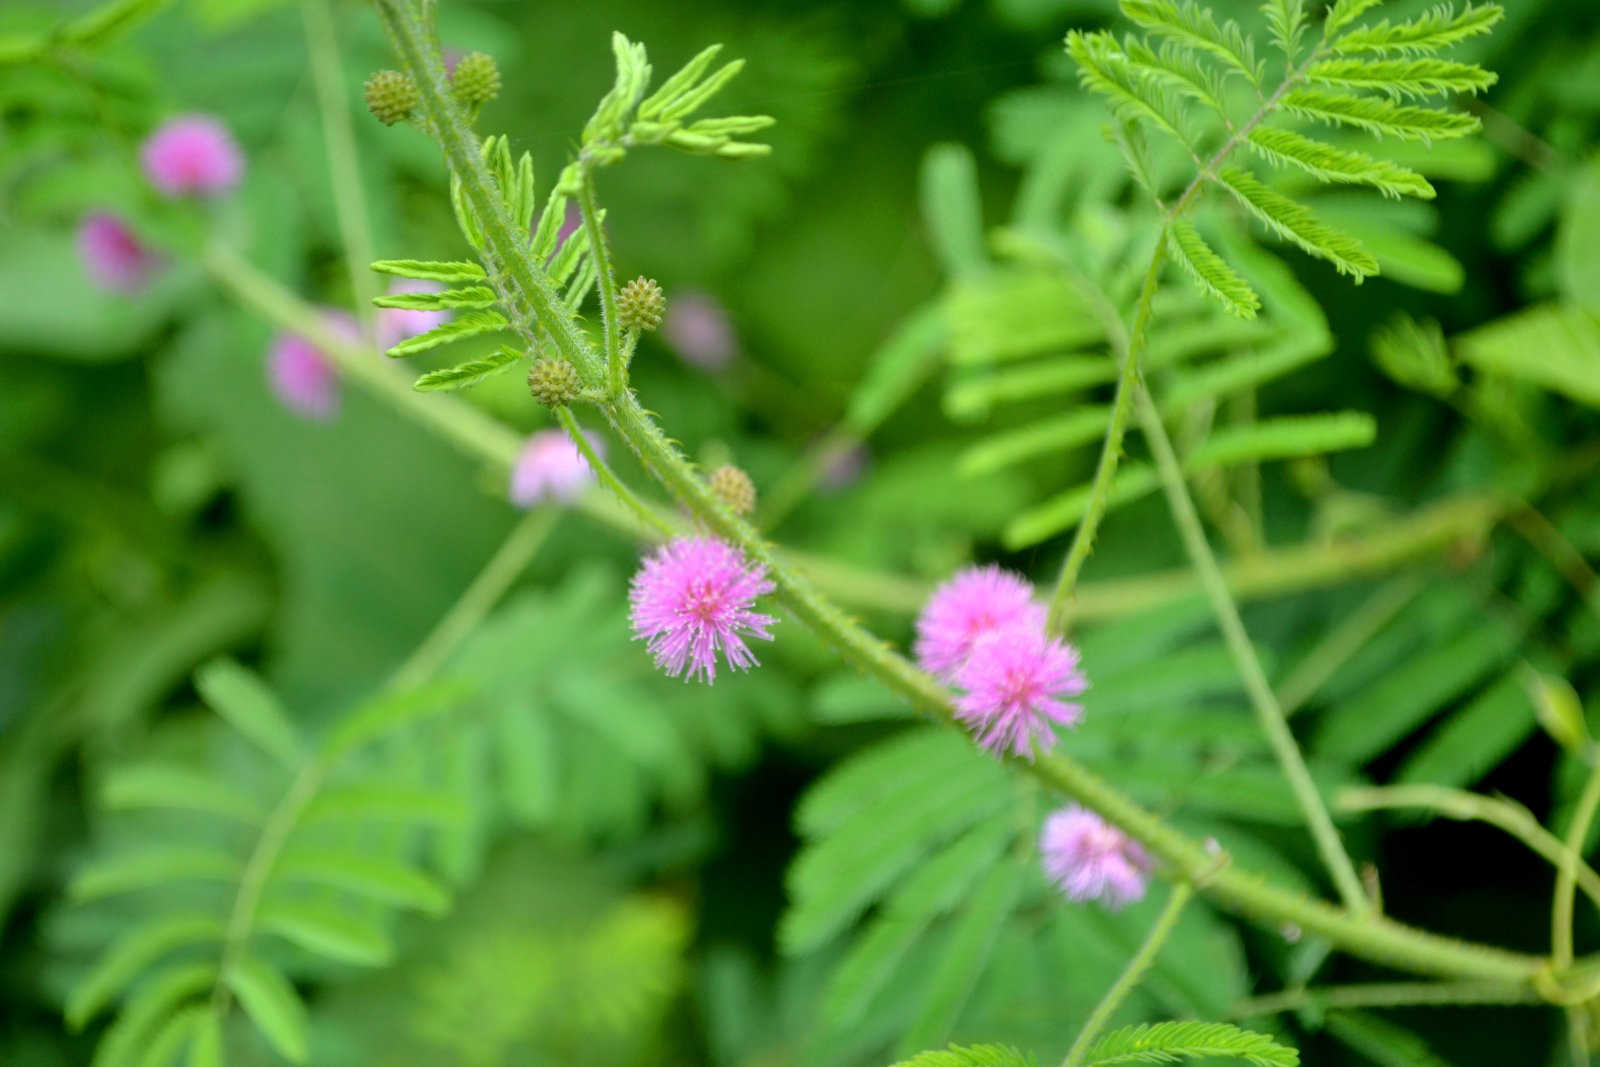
column 471, row 373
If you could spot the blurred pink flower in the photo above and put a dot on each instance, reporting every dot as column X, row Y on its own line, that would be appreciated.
column 842, row 465
column 302, row 378
column 192, row 154
column 550, row 467
column 974, row 602
column 1089, row 859
column 397, row 324
column 693, row 597
column 571, row 223
column 1014, row 681
column 698, row 329
column 112, row 255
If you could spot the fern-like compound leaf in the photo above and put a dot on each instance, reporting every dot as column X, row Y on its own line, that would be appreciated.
column 1433, row 31
column 970, row 1056
column 1105, row 68
column 458, row 329
column 472, row 296
column 133, row 954
column 1295, row 223
column 431, row 270
column 1402, row 78
column 1286, row 20
column 1210, row 271
column 470, row 373
column 1172, row 1042
column 1380, row 116
column 1187, row 23
column 144, row 1014
column 1339, row 165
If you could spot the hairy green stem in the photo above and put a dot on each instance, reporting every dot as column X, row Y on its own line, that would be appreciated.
column 657, row 524
column 606, row 282
column 1386, row 995
column 1131, row 975
column 1567, row 872
column 1345, row 640
column 1372, row 938
column 348, row 197
column 1256, row 685
column 1128, row 352
column 1514, row 819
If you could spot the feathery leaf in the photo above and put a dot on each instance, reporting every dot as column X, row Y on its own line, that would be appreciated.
column 1437, row 29
column 431, row 270
column 472, row 296
column 1380, row 116
column 1210, row 271
column 1188, row 23
column 1419, row 77
column 1171, row 1042
column 1295, row 223
column 272, row 1004
column 470, row 373
column 1342, row 165
column 244, row 700
column 459, row 329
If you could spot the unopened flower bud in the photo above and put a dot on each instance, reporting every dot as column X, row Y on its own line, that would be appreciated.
column 391, row 96
column 476, row 79
column 641, row 304
column 554, row 382
column 734, row 488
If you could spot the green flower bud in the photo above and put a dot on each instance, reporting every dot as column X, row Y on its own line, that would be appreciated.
column 391, row 96
column 641, row 304
column 554, row 382
column 476, row 79
column 735, row 489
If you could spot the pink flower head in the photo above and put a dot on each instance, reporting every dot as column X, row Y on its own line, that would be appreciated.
column 550, row 467
column 397, row 324
column 975, row 602
column 698, row 329
column 1088, row 858
column 193, row 154
column 301, row 377
column 113, row 257
column 1015, row 679
column 694, row 596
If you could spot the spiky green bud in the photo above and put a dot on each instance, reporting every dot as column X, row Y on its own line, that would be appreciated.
column 734, row 487
column 391, row 96
column 554, row 382
column 476, row 79
column 641, row 305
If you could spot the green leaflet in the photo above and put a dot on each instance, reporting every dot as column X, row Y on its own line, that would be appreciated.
column 1210, row 271
column 327, row 931
column 1438, row 28
column 472, row 296
column 381, row 800
column 1402, row 77
column 1064, row 374
column 272, row 1004
column 131, row 955
column 1380, row 116
column 375, row 878
column 1105, row 68
column 1046, row 437
column 156, row 1000
column 458, row 329
column 176, row 787
column 431, row 270
column 244, row 700
column 1286, row 20
column 1552, row 345
column 150, row 867
column 387, row 714
column 1414, row 354
column 1327, row 163
column 1187, row 23
column 1170, row 1042
column 1293, row 222
column 953, row 209
column 470, row 373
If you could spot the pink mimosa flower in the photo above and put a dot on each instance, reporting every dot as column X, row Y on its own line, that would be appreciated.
column 1088, row 858
column 112, row 255
column 1014, row 681
column 975, row 602
column 302, row 378
column 192, row 155
column 698, row 329
column 550, row 468
column 694, row 596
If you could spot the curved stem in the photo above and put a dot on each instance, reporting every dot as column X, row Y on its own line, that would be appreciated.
column 608, row 478
column 606, row 281
column 1567, row 873
column 1386, row 995
column 1514, row 819
column 1372, row 938
column 1131, row 974
column 1128, row 351
column 1256, row 685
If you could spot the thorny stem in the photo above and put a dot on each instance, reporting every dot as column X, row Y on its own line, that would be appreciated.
column 1256, row 685
column 1131, row 975
column 1567, row 872
column 606, row 281
column 1373, row 938
column 1111, row 450
column 1385, row 995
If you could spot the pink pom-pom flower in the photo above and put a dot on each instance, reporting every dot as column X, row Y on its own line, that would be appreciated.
column 550, row 467
column 698, row 329
column 1015, row 680
column 1089, row 859
column 301, row 377
column 693, row 597
column 397, row 324
column 192, row 155
column 112, row 255
column 975, row 602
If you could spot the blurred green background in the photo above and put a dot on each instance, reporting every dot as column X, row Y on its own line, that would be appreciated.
column 616, row 892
